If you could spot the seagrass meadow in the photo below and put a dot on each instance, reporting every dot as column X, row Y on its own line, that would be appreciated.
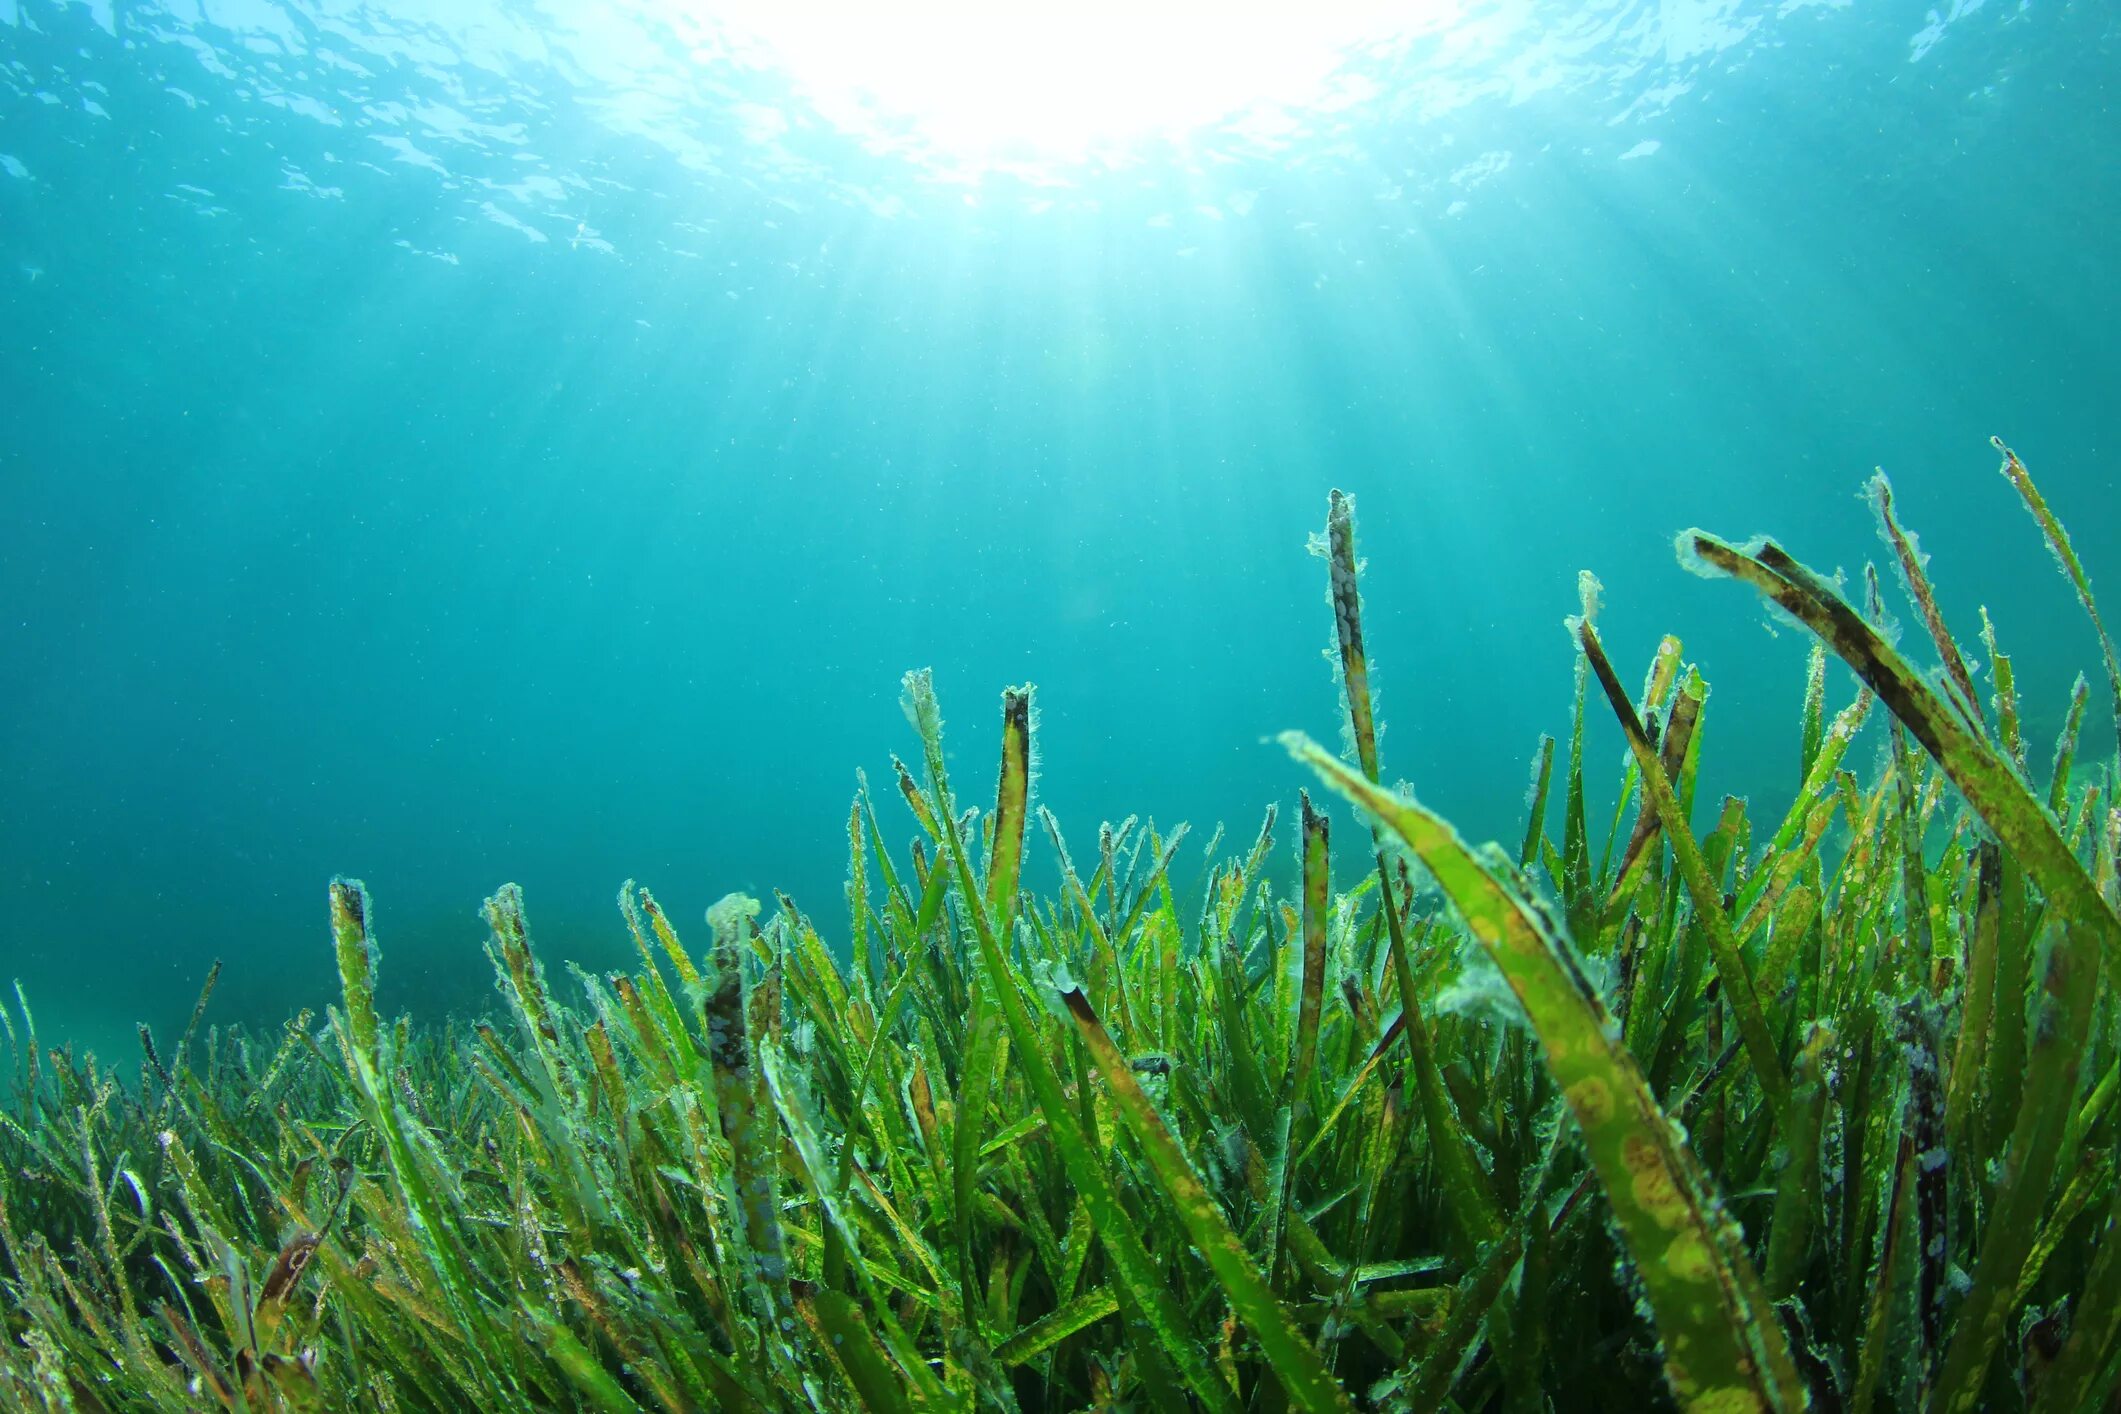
column 1811, row 1108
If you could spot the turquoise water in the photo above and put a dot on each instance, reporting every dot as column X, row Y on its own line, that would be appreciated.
column 449, row 444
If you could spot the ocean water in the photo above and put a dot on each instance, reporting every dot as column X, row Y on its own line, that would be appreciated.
column 452, row 443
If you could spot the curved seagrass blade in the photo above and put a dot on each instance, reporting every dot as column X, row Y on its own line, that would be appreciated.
column 1723, row 1347
column 2065, row 553
column 2084, row 922
column 1983, row 776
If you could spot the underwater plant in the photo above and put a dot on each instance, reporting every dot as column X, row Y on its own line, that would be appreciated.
column 1823, row 1120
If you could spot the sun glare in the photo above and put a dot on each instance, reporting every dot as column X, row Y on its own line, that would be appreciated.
column 988, row 81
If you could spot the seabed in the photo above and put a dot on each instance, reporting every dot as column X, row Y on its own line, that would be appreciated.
column 1812, row 1110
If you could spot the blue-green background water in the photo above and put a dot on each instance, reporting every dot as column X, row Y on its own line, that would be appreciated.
column 497, row 441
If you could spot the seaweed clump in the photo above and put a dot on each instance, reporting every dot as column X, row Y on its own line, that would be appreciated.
column 1833, row 1126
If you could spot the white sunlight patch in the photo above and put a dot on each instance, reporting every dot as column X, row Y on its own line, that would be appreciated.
column 984, row 82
